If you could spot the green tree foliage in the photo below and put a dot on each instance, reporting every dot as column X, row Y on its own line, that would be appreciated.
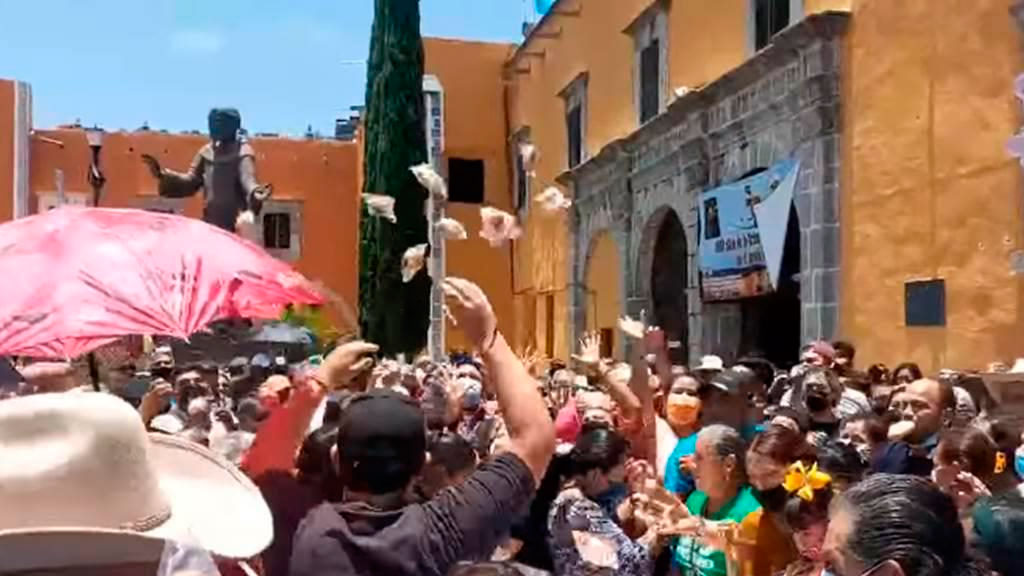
column 392, row 314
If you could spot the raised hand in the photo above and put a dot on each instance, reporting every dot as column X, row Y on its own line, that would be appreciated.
column 532, row 359
column 263, row 192
column 155, row 400
column 654, row 340
column 153, row 164
column 634, row 329
column 471, row 311
column 589, row 359
column 590, row 350
column 345, row 363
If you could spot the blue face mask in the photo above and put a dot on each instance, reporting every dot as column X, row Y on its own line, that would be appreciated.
column 1018, row 465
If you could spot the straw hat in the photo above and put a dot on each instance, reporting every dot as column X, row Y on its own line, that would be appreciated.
column 82, row 484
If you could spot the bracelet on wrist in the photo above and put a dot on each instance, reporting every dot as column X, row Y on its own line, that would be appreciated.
column 490, row 346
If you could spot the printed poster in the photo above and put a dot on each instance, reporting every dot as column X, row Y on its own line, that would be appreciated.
column 742, row 233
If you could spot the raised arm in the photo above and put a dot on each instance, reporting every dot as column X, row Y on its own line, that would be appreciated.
column 280, row 437
column 530, row 430
column 643, row 440
column 175, row 184
column 255, row 193
column 611, row 378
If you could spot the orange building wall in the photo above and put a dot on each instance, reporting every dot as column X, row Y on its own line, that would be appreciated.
column 6, row 149
column 475, row 127
column 816, row 6
column 706, row 39
column 928, row 189
column 592, row 42
column 320, row 173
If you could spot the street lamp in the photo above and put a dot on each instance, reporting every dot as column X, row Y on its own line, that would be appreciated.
column 96, row 178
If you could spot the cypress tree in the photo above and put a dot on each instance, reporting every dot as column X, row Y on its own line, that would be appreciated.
column 393, row 314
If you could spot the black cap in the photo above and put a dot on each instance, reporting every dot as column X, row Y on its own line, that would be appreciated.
column 382, row 442
column 729, row 381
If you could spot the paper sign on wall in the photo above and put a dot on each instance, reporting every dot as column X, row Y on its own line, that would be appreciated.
column 743, row 233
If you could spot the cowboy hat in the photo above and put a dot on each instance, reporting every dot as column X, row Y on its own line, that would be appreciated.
column 82, row 484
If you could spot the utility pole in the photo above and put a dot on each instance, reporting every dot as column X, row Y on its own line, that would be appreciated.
column 433, row 98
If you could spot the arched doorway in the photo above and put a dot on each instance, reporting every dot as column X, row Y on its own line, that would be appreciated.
column 603, row 298
column 668, row 286
column 771, row 323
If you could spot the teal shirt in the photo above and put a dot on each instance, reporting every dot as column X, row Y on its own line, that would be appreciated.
column 694, row 559
column 675, row 480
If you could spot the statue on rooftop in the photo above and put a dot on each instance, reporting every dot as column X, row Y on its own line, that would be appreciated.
column 225, row 169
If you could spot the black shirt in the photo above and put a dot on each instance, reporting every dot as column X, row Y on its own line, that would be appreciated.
column 465, row 522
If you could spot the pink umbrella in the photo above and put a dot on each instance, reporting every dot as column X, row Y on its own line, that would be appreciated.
column 77, row 278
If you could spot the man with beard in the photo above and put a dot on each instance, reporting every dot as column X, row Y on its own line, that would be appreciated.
column 922, row 410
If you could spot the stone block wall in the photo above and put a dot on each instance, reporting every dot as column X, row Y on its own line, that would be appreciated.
column 784, row 102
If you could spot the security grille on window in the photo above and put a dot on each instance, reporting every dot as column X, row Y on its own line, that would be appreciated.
column 465, row 180
column 277, row 231
column 770, row 18
column 650, row 80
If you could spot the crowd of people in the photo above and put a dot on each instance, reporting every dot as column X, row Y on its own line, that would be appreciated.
column 492, row 462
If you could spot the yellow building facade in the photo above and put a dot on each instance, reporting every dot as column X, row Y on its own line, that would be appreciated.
column 907, row 221
column 469, row 77
column 906, row 234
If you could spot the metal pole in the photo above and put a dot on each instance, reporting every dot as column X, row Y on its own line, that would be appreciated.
column 435, row 335
column 434, row 104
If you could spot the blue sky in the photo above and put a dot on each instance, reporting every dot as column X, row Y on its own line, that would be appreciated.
column 284, row 64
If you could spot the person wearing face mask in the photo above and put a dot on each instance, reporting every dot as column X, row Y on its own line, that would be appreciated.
column 682, row 411
column 580, row 523
column 474, row 425
column 817, row 391
column 768, row 460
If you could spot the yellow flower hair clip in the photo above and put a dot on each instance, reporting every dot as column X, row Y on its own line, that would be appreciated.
column 1000, row 462
column 804, row 482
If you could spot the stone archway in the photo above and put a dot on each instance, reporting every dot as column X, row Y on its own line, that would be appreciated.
column 669, row 262
column 602, row 284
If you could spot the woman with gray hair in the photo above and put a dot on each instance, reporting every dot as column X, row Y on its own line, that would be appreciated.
column 723, row 499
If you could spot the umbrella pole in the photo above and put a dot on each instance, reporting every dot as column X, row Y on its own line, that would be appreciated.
column 94, row 371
